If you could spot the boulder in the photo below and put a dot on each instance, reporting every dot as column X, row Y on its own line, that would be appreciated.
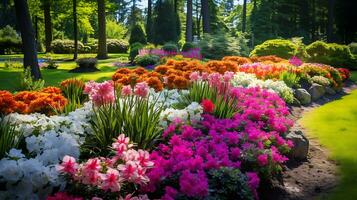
column 301, row 145
column 330, row 91
column 303, row 96
column 316, row 91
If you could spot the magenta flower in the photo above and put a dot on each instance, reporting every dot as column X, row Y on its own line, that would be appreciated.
column 68, row 165
column 111, row 180
column 141, row 89
column 295, row 61
column 263, row 159
column 194, row 76
column 126, row 90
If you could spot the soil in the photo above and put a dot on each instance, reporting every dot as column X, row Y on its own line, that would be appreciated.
column 311, row 178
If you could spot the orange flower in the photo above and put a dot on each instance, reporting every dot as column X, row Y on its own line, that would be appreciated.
column 7, row 102
column 237, row 59
column 155, row 83
column 72, row 81
column 54, row 90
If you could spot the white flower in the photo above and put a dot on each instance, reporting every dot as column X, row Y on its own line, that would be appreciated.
column 15, row 153
column 9, row 171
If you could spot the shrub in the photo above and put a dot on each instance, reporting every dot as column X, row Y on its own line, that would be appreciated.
column 9, row 40
column 278, row 47
column 137, row 35
column 333, row 54
column 65, row 46
column 170, row 47
column 27, row 82
column 147, row 60
column 86, row 65
column 216, row 46
column 225, row 183
column 345, row 73
column 188, row 46
column 353, row 48
column 134, row 50
column 290, row 79
column 321, row 80
column 117, row 46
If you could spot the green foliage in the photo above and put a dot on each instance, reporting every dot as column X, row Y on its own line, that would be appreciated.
column 166, row 23
column 333, row 54
column 136, row 117
column 171, row 47
column 115, row 30
column 137, row 35
column 218, row 45
column 134, row 50
column 65, row 46
column 279, row 47
column 9, row 40
column 225, row 183
column 147, row 60
column 188, row 46
column 224, row 107
column 12, row 64
column 73, row 90
column 87, row 63
column 9, row 137
column 353, row 48
column 27, row 82
column 321, row 80
column 117, row 46
column 290, row 79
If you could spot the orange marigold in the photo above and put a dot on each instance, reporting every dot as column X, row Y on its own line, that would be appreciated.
column 7, row 102
column 52, row 90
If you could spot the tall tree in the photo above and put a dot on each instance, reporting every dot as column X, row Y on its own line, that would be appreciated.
column 75, row 30
column 244, row 17
column 102, row 38
column 330, row 20
column 189, row 21
column 205, row 16
column 149, row 22
column 28, row 38
column 48, row 24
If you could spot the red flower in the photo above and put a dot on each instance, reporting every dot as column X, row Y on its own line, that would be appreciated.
column 207, row 105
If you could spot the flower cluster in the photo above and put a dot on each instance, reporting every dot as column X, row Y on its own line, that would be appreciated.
column 100, row 93
column 194, row 53
column 345, row 73
column 191, row 114
column 265, row 71
column 111, row 174
column 250, row 80
column 252, row 139
column 45, row 101
column 314, row 69
column 69, row 82
column 125, row 76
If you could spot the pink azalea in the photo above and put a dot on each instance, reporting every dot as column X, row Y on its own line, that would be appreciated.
column 263, row 159
column 111, row 180
column 295, row 61
column 128, row 170
column 92, row 165
column 141, row 89
column 194, row 76
column 68, row 165
column 126, row 90
column 144, row 159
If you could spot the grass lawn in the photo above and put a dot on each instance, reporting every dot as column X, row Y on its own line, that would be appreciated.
column 335, row 125
column 10, row 78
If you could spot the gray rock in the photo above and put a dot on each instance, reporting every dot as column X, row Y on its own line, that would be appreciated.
column 301, row 145
column 330, row 91
column 303, row 96
column 316, row 91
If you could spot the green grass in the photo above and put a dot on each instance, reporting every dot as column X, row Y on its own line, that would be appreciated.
column 10, row 78
column 335, row 125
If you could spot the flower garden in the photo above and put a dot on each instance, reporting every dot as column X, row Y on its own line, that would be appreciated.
column 187, row 129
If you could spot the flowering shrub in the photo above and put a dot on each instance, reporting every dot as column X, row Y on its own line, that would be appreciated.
column 321, row 80
column 267, row 59
column 252, row 140
column 110, row 174
column 45, row 101
column 190, row 114
column 237, row 59
column 295, row 61
column 265, row 71
column 313, row 69
column 345, row 73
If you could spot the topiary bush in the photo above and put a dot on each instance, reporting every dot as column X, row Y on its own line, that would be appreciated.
column 86, row 65
column 65, row 46
column 10, row 41
column 353, row 48
column 134, row 50
column 117, row 46
column 216, row 46
column 137, row 35
column 147, row 60
column 333, row 54
column 170, row 47
column 279, row 47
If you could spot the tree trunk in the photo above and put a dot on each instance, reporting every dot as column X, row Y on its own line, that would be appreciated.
column 102, row 38
column 149, row 22
column 75, row 30
column 189, row 21
column 244, row 18
column 28, row 38
column 48, row 24
column 205, row 16
column 330, row 21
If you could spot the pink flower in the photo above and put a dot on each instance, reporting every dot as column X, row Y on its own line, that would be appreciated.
column 141, row 89
column 228, row 76
column 144, row 159
column 204, row 76
column 92, row 165
column 253, row 182
column 126, row 90
column 295, row 61
column 63, row 196
column 111, row 180
column 194, row 76
column 129, row 170
column 194, row 185
column 68, row 165
column 263, row 159
column 207, row 105
column 100, row 93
